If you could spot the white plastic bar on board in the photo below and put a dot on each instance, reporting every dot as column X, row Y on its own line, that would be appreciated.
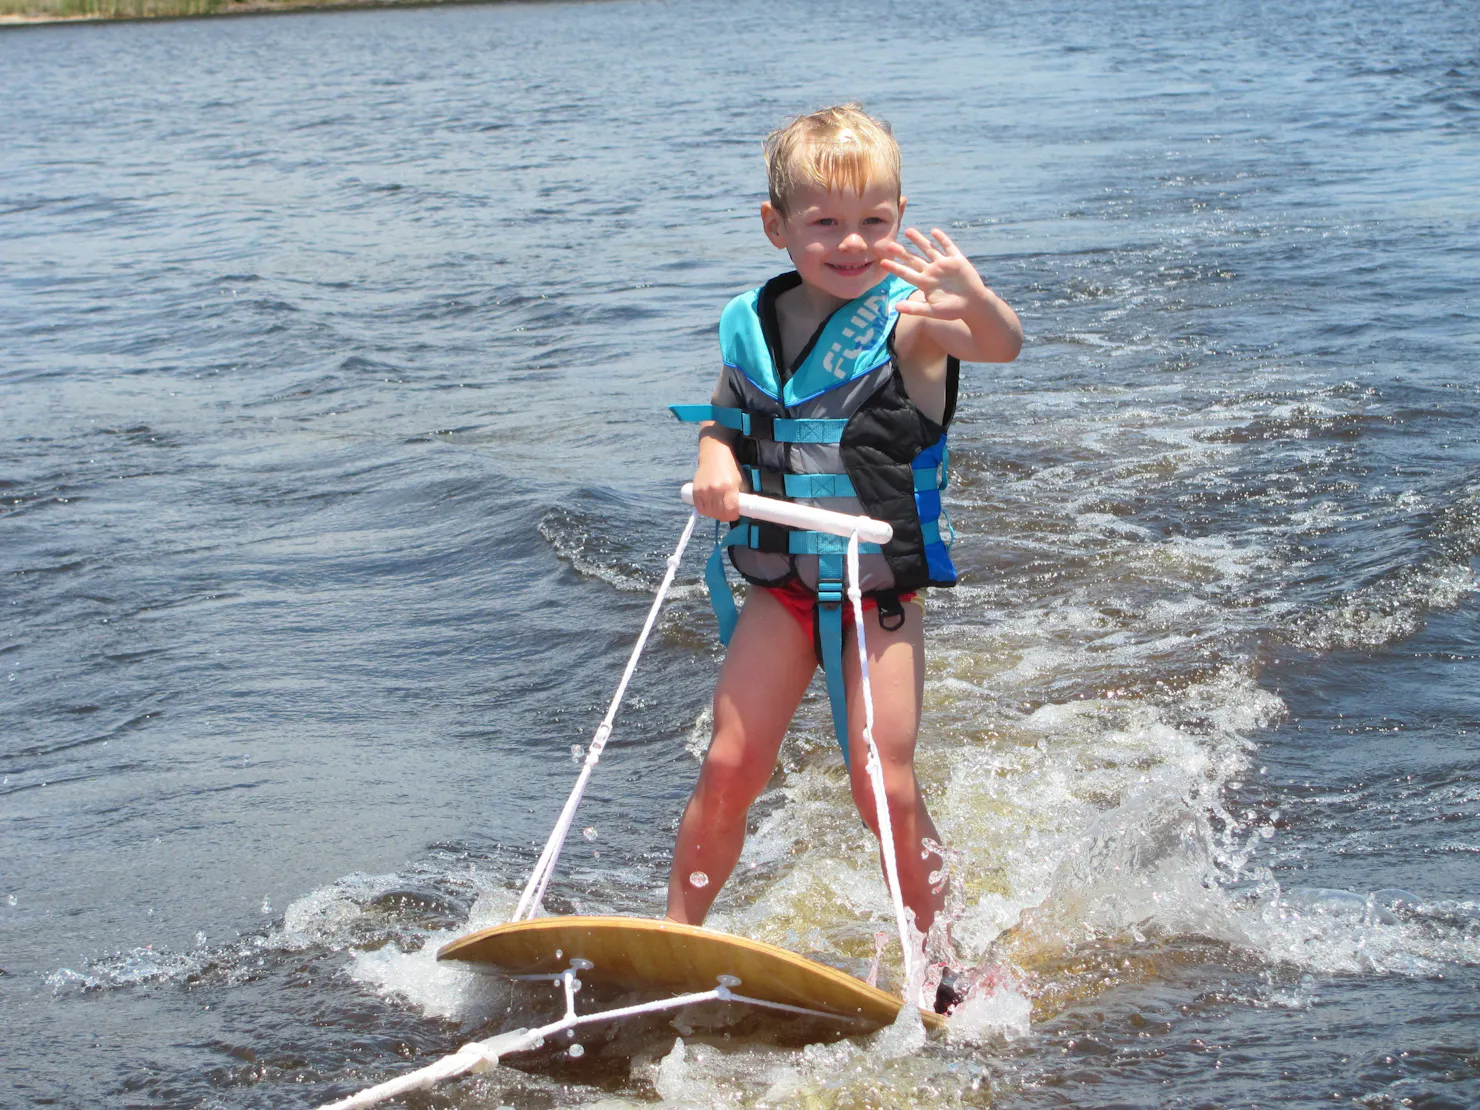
column 806, row 516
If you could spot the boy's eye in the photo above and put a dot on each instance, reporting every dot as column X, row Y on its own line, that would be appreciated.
column 826, row 221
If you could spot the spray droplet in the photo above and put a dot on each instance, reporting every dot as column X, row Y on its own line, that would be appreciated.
column 576, row 1051
column 698, row 880
column 266, row 906
column 590, row 833
column 576, row 752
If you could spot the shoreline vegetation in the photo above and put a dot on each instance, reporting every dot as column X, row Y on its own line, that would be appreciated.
column 23, row 13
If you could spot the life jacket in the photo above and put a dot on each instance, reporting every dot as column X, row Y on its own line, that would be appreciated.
column 835, row 429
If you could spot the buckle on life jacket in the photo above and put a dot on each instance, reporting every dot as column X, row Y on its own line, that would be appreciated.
column 891, row 611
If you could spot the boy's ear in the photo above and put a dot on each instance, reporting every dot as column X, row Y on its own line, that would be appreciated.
column 903, row 200
column 774, row 223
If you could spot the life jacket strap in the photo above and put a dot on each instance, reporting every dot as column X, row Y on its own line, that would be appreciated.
column 759, row 425
column 830, row 641
column 781, row 540
column 778, row 483
column 721, row 597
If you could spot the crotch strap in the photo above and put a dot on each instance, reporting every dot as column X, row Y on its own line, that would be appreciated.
column 830, row 640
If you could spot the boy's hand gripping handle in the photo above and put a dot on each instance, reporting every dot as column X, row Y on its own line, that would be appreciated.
column 805, row 516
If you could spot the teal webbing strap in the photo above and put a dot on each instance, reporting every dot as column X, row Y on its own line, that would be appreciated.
column 782, row 431
column 721, row 597
column 830, row 639
column 798, row 542
column 809, row 431
column 798, row 485
column 819, row 485
column 736, row 419
column 824, row 545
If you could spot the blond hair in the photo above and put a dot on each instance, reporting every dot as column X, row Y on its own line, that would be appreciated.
column 835, row 148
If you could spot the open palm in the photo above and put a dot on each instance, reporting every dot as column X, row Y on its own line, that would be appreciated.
column 946, row 276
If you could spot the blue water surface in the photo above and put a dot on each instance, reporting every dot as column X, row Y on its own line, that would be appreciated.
column 335, row 477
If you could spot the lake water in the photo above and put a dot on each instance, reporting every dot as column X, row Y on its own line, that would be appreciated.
column 335, row 478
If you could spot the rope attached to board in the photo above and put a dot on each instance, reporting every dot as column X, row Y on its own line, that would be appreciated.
column 875, row 768
column 539, row 879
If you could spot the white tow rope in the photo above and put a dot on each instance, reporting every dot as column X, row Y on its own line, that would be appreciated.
column 539, row 879
column 875, row 768
column 480, row 1056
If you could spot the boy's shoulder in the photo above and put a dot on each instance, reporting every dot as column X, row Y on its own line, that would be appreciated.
column 742, row 304
column 741, row 341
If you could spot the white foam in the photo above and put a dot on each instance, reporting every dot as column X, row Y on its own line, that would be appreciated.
column 1000, row 1014
column 438, row 990
column 905, row 1036
column 1389, row 610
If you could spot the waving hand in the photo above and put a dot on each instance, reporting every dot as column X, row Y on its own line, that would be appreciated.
column 987, row 331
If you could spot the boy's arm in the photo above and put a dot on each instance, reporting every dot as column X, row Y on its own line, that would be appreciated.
column 717, row 477
column 958, row 315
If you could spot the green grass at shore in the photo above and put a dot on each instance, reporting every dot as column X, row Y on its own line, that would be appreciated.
column 109, row 9
column 12, row 11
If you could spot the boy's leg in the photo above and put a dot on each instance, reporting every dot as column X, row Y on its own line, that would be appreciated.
column 896, row 664
column 766, row 671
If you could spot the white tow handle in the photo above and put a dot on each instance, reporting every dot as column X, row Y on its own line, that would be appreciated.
column 805, row 516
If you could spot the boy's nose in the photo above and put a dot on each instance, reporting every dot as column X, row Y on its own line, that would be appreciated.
column 854, row 242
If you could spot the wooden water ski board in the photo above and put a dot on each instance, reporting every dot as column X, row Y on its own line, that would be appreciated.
column 642, row 954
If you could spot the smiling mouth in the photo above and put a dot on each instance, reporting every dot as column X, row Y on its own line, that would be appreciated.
column 850, row 270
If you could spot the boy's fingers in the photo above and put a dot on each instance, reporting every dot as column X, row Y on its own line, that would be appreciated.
column 944, row 240
column 897, row 253
column 719, row 508
column 722, row 503
column 932, row 252
column 909, row 270
column 913, row 307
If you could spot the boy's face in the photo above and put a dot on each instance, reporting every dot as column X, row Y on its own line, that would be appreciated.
column 834, row 236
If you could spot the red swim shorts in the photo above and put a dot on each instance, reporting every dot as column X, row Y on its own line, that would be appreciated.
column 801, row 603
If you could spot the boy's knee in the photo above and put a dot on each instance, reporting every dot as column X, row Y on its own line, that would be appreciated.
column 900, row 790
column 725, row 759
column 727, row 773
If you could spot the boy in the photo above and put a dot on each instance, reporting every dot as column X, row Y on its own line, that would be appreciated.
column 839, row 381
